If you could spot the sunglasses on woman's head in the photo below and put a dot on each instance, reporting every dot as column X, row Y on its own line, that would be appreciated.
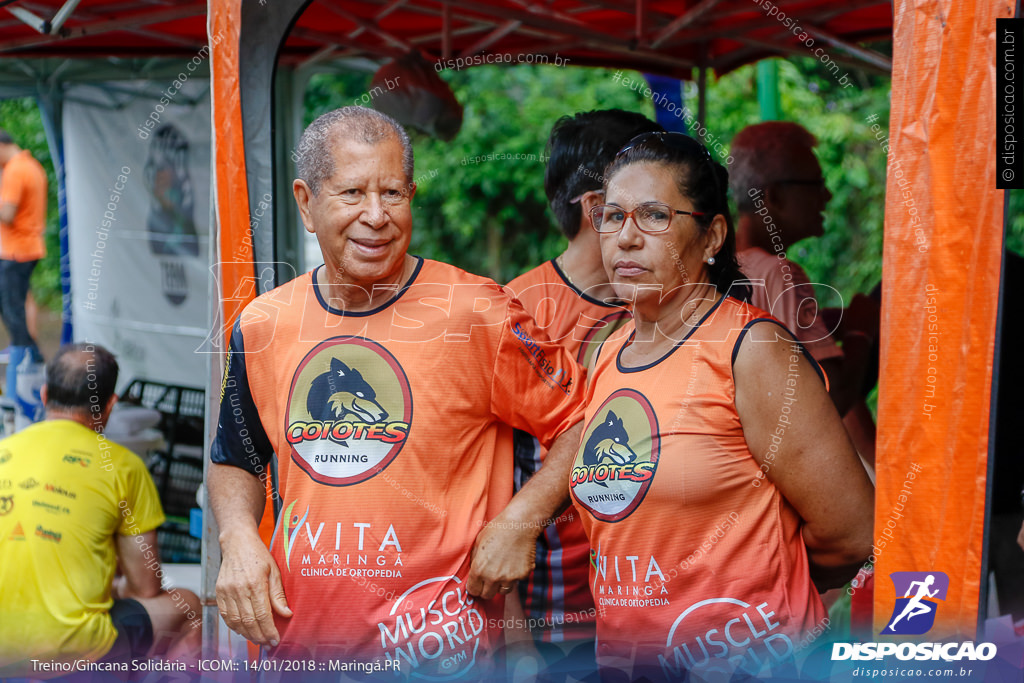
column 679, row 141
column 676, row 141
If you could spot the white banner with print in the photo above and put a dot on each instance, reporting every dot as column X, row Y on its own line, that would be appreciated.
column 137, row 159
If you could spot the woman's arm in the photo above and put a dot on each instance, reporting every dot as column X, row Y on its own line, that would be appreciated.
column 798, row 439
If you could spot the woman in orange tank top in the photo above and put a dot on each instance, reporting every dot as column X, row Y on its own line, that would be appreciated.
column 715, row 480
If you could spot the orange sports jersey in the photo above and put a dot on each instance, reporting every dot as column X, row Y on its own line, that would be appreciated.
column 556, row 595
column 392, row 430
column 23, row 183
column 697, row 561
column 579, row 321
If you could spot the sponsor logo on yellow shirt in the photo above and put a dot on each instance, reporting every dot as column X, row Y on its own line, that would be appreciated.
column 50, row 507
column 61, row 491
column 77, row 460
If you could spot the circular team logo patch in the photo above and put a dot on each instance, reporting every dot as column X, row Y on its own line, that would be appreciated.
column 349, row 411
column 619, row 455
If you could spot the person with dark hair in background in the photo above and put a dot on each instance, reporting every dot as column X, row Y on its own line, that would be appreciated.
column 714, row 478
column 22, row 224
column 76, row 510
column 572, row 297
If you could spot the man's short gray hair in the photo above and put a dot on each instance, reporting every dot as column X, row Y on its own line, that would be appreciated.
column 314, row 161
column 761, row 155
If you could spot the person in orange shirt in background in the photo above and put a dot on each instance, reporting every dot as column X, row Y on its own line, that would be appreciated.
column 714, row 478
column 571, row 297
column 22, row 223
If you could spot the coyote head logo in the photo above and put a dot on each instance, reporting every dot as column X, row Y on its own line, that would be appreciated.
column 610, row 475
column 349, row 411
column 609, row 443
column 343, row 394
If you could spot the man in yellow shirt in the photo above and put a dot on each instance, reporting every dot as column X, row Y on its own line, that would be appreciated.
column 74, row 507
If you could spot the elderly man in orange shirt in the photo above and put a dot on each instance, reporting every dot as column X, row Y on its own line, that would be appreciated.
column 22, row 222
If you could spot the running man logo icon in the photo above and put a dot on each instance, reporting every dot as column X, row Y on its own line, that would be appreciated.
column 914, row 612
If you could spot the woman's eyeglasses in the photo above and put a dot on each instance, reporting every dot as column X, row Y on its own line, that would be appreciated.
column 651, row 217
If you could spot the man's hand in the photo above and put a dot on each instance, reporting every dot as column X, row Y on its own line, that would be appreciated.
column 504, row 553
column 249, row 587
column 506, row 548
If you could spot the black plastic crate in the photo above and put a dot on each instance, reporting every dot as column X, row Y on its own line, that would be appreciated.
column 176, row 545
column 177, row 479
column 167, row 398
column 182, row 409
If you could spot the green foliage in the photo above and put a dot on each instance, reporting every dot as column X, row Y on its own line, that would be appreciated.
column 326, row 92
column 1015, row 222
column 848, row 257
column 21, row 118
column 480, row 207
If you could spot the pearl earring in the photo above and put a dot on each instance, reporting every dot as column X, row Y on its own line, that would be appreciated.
column 711, row 260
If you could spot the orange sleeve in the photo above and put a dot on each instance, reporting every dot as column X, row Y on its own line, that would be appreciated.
column 537, row 385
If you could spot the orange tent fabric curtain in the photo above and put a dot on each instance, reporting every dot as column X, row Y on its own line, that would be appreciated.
column 235, row 265
column 234, row 239
column 943, row 245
